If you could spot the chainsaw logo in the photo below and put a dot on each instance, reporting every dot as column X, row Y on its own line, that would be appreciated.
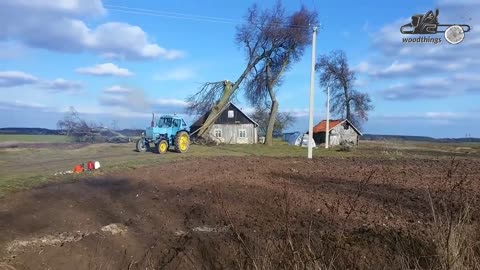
column 427, row 24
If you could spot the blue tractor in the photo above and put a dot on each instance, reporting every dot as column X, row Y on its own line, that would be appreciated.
column 168, row 131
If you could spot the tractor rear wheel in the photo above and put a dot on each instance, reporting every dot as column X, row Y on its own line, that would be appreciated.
column 162, row 147
column 182, row 142
column 141, row 146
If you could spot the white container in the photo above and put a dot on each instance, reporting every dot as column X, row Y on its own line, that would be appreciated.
column 96, row 165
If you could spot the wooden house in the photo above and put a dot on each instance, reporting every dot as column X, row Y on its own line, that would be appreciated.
column 232, row 126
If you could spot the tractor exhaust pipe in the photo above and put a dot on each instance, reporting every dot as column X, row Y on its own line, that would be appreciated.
column 153, row 120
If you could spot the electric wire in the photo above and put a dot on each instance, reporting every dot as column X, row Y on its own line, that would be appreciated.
column 184, row 16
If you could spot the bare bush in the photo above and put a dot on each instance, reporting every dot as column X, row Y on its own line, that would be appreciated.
column 346, row 146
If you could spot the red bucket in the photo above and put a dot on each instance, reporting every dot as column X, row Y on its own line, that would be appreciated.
column 90, row 166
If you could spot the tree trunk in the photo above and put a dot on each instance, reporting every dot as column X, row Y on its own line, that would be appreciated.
column 274, row 109
column 271, row 122
column 347, row 104
column 214, row 113
column 228, row 90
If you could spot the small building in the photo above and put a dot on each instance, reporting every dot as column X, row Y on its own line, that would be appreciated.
column 339, row 130
column 231, row 127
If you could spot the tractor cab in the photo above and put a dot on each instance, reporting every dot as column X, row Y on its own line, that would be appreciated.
column 174, row 122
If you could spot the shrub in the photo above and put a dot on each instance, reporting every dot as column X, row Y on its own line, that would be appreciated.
column 346, row 146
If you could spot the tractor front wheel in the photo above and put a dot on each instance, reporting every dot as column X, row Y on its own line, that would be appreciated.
column 182, row 142
column 141, row 146
column 162, row 147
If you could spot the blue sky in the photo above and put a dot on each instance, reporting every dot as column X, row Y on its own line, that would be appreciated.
column 122, row 59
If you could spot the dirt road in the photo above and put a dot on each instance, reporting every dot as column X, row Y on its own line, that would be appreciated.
column 234, row 212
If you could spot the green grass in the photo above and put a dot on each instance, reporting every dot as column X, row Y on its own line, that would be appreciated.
column 34, row 138
column 24, row 167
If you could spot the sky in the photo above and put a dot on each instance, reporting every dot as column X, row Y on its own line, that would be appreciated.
column 117, row 61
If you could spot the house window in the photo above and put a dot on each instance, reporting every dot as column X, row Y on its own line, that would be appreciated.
column 242, row 133
column 230, row 113
column 218, row 133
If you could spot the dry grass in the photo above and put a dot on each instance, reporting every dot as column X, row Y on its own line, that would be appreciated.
column 451, row 242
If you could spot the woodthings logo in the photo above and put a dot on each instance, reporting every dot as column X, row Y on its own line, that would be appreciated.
column 427, row 24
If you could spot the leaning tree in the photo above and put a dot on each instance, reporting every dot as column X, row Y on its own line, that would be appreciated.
column 272, row 41
column 346, row 101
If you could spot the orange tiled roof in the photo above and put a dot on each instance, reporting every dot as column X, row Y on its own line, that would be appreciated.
column 322, row 126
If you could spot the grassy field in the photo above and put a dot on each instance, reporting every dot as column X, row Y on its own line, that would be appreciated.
column 24, row 167
column 33, row 138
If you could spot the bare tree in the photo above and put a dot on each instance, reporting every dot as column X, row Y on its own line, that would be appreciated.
column 346, row 101
column 288, row 36
column 270, row 38
column 76, row 127
column 72, row 123
column 261, row 115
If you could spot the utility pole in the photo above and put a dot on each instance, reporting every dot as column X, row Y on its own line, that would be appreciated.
column 327, row 130
column 312, row 92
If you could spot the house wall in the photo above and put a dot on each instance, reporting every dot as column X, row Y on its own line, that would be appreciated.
column 238, row 117
column 343, row 134
column 231, row 133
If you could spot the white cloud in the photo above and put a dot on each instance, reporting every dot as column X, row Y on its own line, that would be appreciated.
column 16, row 78
column 73, row 7
column 62, row 85
column 117, row 89
column 11, row 50
column 178, row 74
column 425, row 88
column 124, row 97
column 173, row 102
column 444, row 115
column 134, row 100
column 17, row 104
column 361, row 83
column 58, row 26
column 397, row 67
column 363, row 67
column 433, row 116
column 433, row 82
column 106, row 69
column 474, row 77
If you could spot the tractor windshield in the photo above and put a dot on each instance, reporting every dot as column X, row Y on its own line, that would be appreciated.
column 165, row 122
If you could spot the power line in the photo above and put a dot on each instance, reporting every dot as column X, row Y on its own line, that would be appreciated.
column 170, row 14
column 183, row 16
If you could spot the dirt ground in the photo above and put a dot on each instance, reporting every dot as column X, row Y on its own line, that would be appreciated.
column 236, row 212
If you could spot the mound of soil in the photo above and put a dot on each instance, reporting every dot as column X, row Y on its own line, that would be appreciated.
column 238, row 212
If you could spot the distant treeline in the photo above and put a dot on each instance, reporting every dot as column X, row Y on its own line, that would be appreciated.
column 30, row 131
column 45, row 131
column 375, row 137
